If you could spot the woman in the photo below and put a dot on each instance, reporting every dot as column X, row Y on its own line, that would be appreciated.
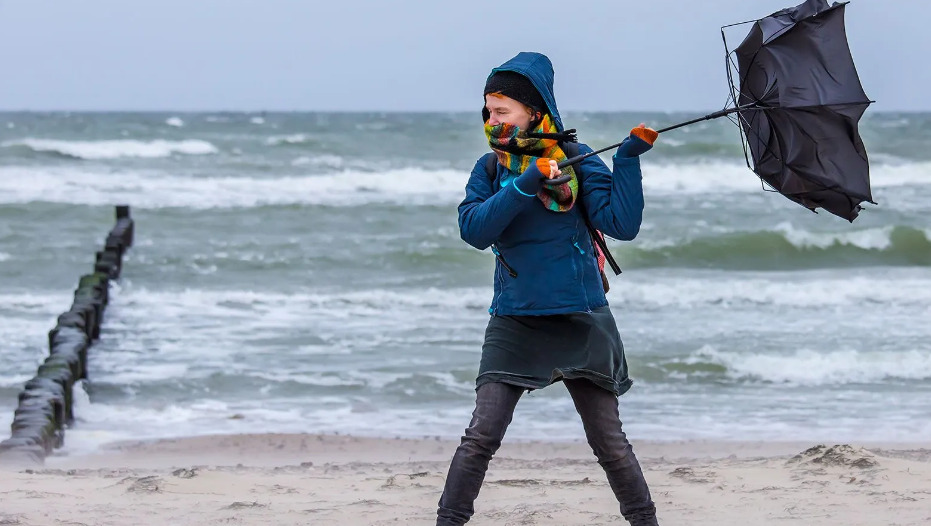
column 550, row 320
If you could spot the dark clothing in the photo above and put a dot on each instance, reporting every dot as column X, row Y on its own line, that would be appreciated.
column 494, row 407
column 535, row 351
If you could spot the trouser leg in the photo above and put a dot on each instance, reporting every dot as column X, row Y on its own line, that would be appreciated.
column 599, row 411
column 494, row 407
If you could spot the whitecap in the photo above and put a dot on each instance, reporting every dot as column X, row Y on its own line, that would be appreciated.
column 777, row 289
column 406, row 186
column 295, row 138
column 717, row 177
column 326, row 161
column 810, row 367
column 867, row 239
column 114, row 149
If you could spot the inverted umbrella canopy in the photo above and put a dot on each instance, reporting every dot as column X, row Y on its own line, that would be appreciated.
column 799, row 103
column 803, row 102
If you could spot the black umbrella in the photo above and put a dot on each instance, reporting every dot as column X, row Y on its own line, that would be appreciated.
column 798, row 104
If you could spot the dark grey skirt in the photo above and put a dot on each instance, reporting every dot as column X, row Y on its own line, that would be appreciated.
column 536, row 351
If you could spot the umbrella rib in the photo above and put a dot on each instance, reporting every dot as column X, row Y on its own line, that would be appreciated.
column 728, row 63
column 745, row 139
column 779, row 33
column 740, row 23
column 730, row 66
column 751, row 130
column 743, row 142
column 818, row 184
column 807, row 106
column 833, row 187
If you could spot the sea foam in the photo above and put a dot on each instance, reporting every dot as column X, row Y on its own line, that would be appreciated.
column 410, row 186
column 809, row 367
column 716, row 177
column 115, row 149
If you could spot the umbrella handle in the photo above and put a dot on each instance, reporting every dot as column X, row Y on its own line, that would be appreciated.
column 561, row 179
column 557, row 181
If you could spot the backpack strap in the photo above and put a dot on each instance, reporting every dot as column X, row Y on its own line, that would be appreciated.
column 491, row 165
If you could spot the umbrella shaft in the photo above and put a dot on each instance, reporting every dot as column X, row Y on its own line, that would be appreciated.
column 710, row 116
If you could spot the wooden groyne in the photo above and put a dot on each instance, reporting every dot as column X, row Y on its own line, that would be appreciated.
column 45, row 406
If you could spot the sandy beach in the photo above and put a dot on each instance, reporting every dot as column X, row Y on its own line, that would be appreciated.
column 348, row 481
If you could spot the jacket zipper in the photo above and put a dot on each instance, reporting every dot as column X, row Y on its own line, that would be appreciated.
column 500, row 258
column 580, row 266
column 494, row 304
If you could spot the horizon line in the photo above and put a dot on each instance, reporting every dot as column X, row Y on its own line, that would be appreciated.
column 368, row 111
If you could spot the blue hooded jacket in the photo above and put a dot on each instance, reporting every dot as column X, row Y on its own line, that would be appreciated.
column 551, row 252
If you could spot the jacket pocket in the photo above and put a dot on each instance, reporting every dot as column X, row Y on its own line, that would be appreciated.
column 511, row 272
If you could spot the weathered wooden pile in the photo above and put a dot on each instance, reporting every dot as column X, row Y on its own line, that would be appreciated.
column 45, row 403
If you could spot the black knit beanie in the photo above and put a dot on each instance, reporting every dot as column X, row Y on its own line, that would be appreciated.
column 516, row 86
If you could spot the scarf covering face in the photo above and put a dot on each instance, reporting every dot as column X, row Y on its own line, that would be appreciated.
column 516, row 151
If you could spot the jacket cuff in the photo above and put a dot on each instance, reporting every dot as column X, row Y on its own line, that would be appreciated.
column 521, row 192
column 529, row 182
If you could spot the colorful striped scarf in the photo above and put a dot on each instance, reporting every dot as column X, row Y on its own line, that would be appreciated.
column 515, row 151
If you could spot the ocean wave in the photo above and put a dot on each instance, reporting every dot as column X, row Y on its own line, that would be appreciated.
column 806, row 367
column 407, row 186
column 27, row 319
column 346, row 183
column 363, row 302
column 115, row 149
column 326, row 161
column 174, row 121
column 34, row 302
column 294, row 138
column 785, row 247
column 781, row 290
column 95, row 427
column 715, row 177
column 647, row 291
column 14, row 381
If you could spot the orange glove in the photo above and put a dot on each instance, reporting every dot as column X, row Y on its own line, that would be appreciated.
column 648, row 135
column 640, row 141
column 548, row 167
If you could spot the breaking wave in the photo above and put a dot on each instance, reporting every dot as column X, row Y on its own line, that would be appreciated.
column 115, row 149
column 805, row 367
column 785, row 248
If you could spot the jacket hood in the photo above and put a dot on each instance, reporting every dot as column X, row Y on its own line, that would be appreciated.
column 539, row 70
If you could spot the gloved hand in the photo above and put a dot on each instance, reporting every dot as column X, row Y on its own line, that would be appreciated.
column 640, row 141
column 530, row 182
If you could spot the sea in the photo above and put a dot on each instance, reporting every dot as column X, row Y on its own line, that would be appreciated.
column 303, row 272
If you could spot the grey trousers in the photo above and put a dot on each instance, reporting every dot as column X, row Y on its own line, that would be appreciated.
column 494, row 407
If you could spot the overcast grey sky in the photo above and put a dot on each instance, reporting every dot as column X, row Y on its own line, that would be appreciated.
column 407, row 55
